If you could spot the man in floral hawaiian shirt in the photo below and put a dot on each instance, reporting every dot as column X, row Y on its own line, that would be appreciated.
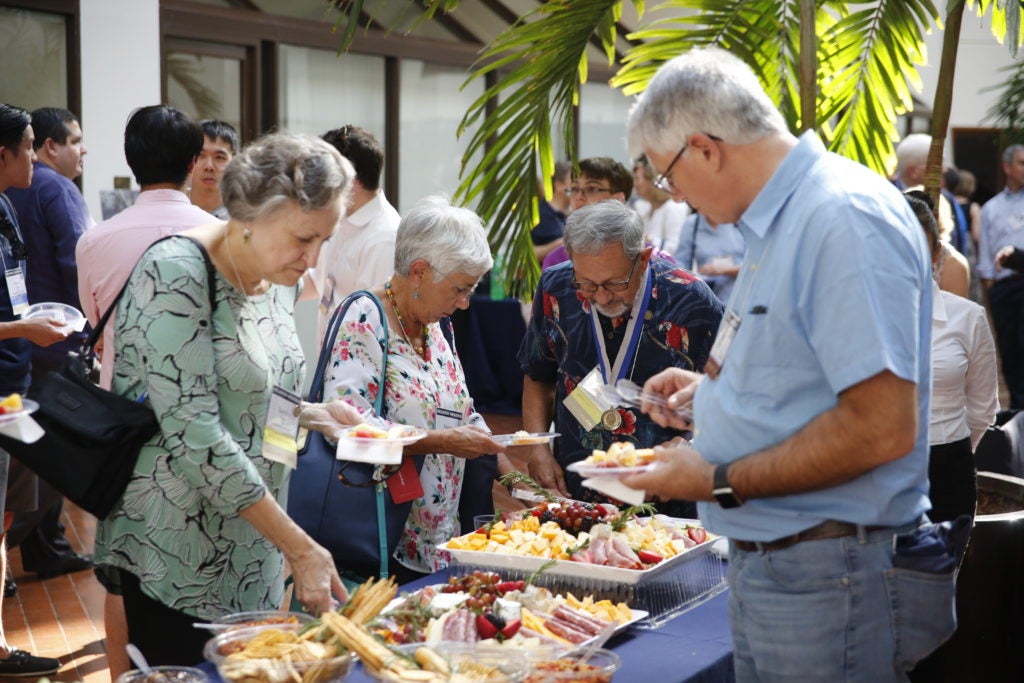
column 582, row 321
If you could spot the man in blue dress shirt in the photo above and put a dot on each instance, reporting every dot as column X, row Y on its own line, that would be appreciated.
column 810, row 447
column 53, row 216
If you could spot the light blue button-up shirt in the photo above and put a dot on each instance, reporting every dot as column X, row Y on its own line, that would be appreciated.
column 835, row 289
column 1002, row 224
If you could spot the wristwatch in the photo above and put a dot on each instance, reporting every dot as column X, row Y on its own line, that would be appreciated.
column 721, row 489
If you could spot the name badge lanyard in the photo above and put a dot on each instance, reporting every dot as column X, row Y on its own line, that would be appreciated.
column 627, row 350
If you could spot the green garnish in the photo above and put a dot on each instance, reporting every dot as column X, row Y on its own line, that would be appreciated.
column 512, row 478
column 629, row 513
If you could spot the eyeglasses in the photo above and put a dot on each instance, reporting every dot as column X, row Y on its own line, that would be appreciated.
column 664, row 182
column 590, row 191
column 18, row 250
column 615, row 286
column 462, row 292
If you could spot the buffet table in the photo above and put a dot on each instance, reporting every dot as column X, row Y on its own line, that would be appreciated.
column 695, row 647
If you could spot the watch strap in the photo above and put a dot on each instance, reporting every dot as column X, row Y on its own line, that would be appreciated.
column 721, row 489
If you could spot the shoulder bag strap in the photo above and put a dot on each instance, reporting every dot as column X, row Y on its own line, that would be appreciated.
column 97, row 332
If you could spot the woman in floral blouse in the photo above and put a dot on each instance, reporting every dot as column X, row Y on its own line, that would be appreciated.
column 440, row 254
column 199, row 532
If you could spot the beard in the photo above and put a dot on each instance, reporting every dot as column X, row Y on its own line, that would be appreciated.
column 614, row 310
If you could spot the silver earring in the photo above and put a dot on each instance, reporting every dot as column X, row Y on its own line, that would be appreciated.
column 246, row 235
column 415, row 295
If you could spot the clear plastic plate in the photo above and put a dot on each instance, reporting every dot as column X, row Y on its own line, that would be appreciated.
column 524, row 439
column 378, row 451
column 587, row 470
column 632, row 394
column 28, row 407
column 62, row 313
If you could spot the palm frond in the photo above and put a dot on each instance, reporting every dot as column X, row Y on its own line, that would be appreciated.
column 1008, row 111
column 540, row 63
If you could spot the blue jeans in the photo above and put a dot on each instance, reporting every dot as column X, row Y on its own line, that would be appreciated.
column 834, row 611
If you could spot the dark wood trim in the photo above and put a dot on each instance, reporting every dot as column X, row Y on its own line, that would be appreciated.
column 228, row 25
column 244, row 4
column 502, row 10
column 392, row 126
column 268, row 97
column 453, row 26
column 205, row 48
column 52, row 6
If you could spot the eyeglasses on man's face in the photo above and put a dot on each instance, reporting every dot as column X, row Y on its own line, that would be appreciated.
column 615, row 286
column 588, row 191
column 18, row 250
column 664, row 181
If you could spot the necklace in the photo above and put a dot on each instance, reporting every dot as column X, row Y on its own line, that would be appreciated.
column 401, row 322
column 231, row 259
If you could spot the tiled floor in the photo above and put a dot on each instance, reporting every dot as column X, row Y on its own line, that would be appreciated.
column 63, row 617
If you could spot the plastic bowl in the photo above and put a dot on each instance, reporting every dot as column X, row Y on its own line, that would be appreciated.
column 164, row 674
column 272, row 669
column 507, row 665
column 600, row 667
column 62, row 313
column 261, row 618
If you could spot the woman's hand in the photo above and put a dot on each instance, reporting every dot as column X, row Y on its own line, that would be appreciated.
column 677, row 387
column 468, row 441
column 330, row 419
column 317, row 584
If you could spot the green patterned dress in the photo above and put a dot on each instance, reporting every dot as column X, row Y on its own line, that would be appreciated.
column 177, row 527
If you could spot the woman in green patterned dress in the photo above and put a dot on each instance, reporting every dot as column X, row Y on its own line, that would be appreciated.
column 200, row 531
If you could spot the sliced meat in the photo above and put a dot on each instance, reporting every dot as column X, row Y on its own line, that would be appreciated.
column 567, row 631
column 460, row 626
column 599, row 550
column 579, row 620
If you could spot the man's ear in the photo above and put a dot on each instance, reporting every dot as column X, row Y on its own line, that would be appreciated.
column 49, row 147
column 192, row 164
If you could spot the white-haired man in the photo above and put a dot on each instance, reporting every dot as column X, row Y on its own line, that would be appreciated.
column 811, row 437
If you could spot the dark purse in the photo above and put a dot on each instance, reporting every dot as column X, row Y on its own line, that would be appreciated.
column 92, row 436
column 332, row 499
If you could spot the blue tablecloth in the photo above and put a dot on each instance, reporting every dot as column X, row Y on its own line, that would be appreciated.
column 487, row 336
column 695, row 647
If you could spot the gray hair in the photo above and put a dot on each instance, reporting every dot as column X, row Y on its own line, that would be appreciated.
column 912, row 151
column 706, row 91
column 1010, row 151
column 451, row 239
column 284, row 167
column 591, row 228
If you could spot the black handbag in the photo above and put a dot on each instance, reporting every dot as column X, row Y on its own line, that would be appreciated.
column 332, row 500
column 92, row 436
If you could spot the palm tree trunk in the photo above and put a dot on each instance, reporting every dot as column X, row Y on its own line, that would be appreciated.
column 808, row 66
column 943, row 100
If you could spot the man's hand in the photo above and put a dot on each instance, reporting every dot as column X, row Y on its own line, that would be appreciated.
column 538, row 462
column 469, row 441
column 677, row 387
column 1003, row 254
column 681, row 474
column 44, row 331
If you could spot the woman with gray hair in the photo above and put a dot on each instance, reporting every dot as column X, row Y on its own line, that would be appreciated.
column 441, row 252
column 207, row 338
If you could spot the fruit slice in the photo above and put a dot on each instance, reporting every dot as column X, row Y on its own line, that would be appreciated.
column 11, row 404
column 697, row 534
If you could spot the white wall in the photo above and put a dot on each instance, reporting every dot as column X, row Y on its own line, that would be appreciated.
column 979, row 60
column 120, row 72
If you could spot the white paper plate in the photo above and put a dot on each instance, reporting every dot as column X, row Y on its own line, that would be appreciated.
column 586, row 470
column 531, row 439
column 30, row 407
column 376, row 451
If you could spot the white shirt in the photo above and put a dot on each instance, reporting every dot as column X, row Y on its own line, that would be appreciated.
column 360, row 255
column 666, row 224
column 965, row 387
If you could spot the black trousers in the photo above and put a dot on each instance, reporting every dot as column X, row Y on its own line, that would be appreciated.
column 952, row 477
column 165, row 635
column 1006, row 299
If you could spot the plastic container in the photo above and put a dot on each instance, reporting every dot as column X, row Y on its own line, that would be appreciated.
column 377, row 451
column 272, row 669
column 164, row 674
column 599, row 667
column 507, row 665
column 62, row 313
column 256, row 619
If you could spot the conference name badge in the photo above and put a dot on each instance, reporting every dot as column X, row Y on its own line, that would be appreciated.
column 282, row 428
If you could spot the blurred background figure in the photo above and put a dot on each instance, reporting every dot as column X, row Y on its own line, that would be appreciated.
column 547, row 234
column 963, row 185
column 220, row 145
column 663, row 224
column 715, row 252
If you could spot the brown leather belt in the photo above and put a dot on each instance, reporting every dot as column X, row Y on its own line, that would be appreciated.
column 828, row 529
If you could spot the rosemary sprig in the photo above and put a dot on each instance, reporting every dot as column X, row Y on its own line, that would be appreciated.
column 576, row 548
column 619, row 523
column 512, row 478
column 532, row 578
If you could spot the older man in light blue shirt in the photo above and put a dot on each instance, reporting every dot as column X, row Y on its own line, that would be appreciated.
column 811, row 426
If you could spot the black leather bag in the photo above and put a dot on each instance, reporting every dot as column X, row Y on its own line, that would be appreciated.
column 93, row 436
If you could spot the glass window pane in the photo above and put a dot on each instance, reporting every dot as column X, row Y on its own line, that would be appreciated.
column 205, row 87
column 38, row 39
column 432, row 106
column 603, row 112
column 320, row 91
